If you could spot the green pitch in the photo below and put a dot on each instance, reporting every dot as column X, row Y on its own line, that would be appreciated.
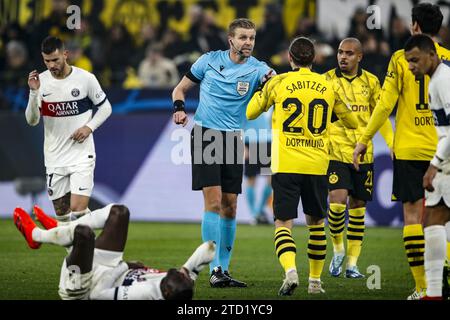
column 34, row 274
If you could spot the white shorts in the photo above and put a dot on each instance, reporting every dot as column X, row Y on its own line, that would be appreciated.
column 441, row 184
column 76, row 286
column 78, row 179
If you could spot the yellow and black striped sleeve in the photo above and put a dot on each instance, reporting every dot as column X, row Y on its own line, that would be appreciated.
column 263, row 99
column 388, row 98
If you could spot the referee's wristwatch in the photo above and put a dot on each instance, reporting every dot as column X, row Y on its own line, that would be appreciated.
column 178, row 105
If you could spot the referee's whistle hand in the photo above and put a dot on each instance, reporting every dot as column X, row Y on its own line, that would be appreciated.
column 180, row 117
column 359, row 152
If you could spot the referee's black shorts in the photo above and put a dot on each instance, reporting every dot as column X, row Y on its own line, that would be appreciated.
column 217, row 159
column 408, row 180
column 258, row 158
column 288, row 188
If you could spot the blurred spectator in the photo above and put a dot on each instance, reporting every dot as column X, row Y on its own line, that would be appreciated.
column 307, row 27
column 444, row 34
column 156, row 71
column 117, row 53
column 54, row 24
column 132, row 81
column 205, row 35
column 325, row 58
column 280, row 61
column 173, row 44
column 358, row 26
column 9, row 32
column 399, row 34
column 376, row 56
column 146, row 37
column 77, row 57
column 272, row 28
column 17, row 64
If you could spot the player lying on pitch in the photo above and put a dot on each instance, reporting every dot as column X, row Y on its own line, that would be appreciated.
column 94, row 269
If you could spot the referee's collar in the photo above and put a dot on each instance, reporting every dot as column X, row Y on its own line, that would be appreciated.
column 340, row 75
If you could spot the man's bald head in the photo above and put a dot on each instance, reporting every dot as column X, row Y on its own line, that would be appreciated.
column 354, row 42
column 349, row 55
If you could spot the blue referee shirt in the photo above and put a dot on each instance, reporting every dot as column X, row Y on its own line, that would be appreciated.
column 225, row 89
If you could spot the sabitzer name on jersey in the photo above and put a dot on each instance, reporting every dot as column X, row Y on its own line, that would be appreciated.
column 306, row 84
column 308, row 143
column 65, row 108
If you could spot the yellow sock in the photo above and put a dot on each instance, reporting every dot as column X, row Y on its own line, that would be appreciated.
column 317, row 249
column 415, row 246
column 336, row 223
column 285, row 248
column 355, row 234
column 448, row 251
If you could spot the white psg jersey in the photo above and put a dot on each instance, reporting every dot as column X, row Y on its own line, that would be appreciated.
column 439, row 99
column 141, row 284
column 66, row 105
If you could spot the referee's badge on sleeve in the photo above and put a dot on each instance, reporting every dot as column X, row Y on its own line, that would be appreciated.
column 242, row 87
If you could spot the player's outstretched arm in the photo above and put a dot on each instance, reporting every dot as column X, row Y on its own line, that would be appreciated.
column 262, row 100
column 32, row 113
column 346, row 115
column 389, row 94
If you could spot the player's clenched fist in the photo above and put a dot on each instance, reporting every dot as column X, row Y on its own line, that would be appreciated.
column 33, row 80
column 180, row 117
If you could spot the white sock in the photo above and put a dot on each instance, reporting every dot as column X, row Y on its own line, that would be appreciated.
column 94, row 219
column 201, row 257
column 61, row 235
column 75, row 215
column 64, row 219
column 435, row 254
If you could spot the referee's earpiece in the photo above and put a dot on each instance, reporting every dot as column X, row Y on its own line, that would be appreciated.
column 239, row 52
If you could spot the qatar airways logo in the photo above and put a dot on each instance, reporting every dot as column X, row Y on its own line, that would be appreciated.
column 60, row 109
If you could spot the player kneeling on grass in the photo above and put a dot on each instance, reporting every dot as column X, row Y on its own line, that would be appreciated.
column 94, row 268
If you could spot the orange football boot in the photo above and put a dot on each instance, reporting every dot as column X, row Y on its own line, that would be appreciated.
column 46, row 221
column 25, row 225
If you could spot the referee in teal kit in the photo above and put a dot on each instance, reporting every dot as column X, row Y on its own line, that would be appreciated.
column 227, row 80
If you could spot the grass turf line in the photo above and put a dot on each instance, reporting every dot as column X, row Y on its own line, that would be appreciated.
column 34, row 274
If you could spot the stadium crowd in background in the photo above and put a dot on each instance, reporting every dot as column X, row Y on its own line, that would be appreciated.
column 96, row 45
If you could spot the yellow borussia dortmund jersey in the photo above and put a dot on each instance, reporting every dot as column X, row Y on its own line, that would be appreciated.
column 415, row 136
column 360, row 93
column 303, row 103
